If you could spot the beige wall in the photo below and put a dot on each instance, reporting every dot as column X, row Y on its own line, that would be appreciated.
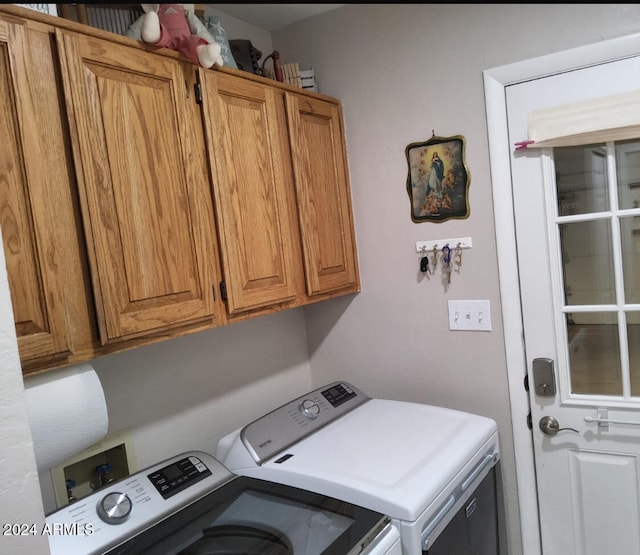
column 404, row 71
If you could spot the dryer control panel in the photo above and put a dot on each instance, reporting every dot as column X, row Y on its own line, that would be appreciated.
column 273, row 433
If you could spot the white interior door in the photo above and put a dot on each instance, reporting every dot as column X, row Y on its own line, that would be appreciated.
column 577, row 222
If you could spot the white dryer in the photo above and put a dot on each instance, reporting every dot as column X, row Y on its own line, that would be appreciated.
column 431, row 469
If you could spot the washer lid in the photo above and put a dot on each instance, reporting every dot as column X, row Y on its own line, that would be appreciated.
column 392, row 456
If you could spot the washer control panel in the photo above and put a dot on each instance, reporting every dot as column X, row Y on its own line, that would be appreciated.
column 273, row 433
column 117, row 512
column 179, row 475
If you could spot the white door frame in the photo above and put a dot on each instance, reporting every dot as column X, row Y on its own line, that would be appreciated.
column 495, row 82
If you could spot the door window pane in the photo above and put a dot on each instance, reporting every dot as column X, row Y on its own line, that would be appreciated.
column 597, row 191
column 587, row 262
column 633, row 338
column 630, row 238
column 628, row 171
column 581, row 180
column 594, row 353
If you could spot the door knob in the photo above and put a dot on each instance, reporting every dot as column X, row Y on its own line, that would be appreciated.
column 550, row 426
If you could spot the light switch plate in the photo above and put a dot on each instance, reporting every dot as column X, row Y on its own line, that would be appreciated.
column 469, row 315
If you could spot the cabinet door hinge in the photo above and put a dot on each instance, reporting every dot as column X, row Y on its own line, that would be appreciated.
column 526, row 383
column 197, row 88
column 529, row 421
column 223, row 290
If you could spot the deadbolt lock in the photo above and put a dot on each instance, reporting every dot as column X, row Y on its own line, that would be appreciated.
column 544, row 380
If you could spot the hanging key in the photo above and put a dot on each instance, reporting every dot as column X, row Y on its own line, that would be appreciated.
column 458, row 256
column 424, row 264
column 446, row 261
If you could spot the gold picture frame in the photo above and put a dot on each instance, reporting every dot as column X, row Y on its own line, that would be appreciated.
column 438, row 180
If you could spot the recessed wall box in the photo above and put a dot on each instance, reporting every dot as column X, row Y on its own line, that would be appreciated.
column 107, row 461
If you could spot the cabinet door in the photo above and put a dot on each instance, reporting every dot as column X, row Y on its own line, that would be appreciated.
column 33, row 169
column 141, row 186
column 249, row 152
column 324, row 198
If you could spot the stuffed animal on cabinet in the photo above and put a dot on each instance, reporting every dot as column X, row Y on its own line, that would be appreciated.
column 172, row 26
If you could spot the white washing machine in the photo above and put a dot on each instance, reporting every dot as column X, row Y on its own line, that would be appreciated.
column 431, row 469
column 192, row 505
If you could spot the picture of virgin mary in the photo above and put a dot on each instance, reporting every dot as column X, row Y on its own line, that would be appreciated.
column 438, row 181
column 436, row 174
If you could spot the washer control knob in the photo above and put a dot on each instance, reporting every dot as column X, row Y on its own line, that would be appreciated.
column 310, row 408
column 114, row 508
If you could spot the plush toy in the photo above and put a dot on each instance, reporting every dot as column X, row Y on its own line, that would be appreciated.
column 172, row 26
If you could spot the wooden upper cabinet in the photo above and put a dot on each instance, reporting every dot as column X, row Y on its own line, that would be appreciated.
column 246, row 130
column 33, row 170
column 143, row 186
column 124, row 202
column 323, row 194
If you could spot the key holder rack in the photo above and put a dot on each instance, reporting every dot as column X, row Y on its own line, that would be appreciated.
column 446, row 253
column 464, row 242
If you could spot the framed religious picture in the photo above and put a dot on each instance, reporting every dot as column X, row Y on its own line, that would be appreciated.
column 438, row 181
